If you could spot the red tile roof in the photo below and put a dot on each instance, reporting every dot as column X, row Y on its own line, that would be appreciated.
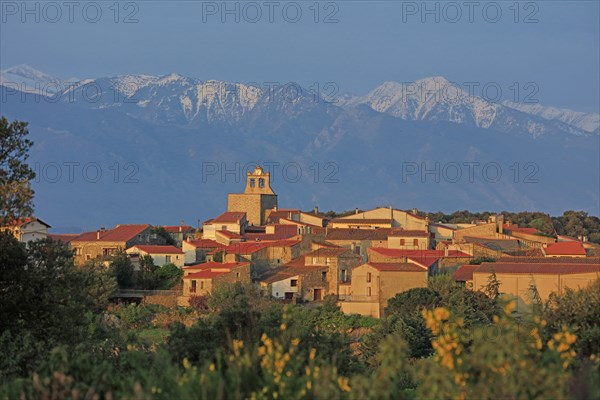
column 281, row 232
column 214, row 264
column 229, row 217
column 538, row 268
column 230, row 235
column 422, row 257
column 205, row 274
column 205, row 244
column 464, row 273
column 397, row 267
column 565, row 248
column 158, row 249
column 359, row 234
column 121, row 233
column 332, row 252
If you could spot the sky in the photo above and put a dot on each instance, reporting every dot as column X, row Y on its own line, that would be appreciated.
column 357, row 45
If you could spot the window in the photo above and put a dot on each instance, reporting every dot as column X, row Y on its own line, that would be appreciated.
column 324, row 276
column 416, row 242
column 368, row 277
column 294, row 282
column 401, row 242
column 193, row 287
column 252, row 182
column 261, row 182
column 369, row 291
column 78, row 251
column 237, row 275
column 201, row 284
column 167, row 259
column 327, row 261
column 357, row 249
column 88, row 256
column 344, row 275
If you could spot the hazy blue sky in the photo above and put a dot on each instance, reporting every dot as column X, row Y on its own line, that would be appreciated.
column 371, row 42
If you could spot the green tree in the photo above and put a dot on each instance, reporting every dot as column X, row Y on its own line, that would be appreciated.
column 122, row 269
column 16, row 195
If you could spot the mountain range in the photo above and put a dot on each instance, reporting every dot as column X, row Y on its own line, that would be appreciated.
column 167, row 146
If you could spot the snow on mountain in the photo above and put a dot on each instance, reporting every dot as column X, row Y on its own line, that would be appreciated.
column 437, row 99
column 589, row 122
column 30, row 80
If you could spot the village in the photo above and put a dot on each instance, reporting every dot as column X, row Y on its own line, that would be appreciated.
column 362, row 259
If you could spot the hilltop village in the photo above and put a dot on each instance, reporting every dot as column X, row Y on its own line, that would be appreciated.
column 363, row 259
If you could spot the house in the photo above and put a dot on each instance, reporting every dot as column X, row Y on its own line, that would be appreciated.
column 64, row 238
column 295, row 282
column 106, row 242
column 231, row 221
column 196, row 251
column 518, row 279
column 410, row 240
column 262, row 255
column 431, row 260
column 27, row 229
column 273, row 232
column 381, row 217
column 257, row 200
column 161, row 255
column 358, row 240
column 179, row 233
column 464, row 275
column 340, row 262
column 373, row 284
column 564, row 249
column 202, row 279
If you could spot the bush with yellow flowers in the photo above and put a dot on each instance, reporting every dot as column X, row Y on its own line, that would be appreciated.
column 505, row 359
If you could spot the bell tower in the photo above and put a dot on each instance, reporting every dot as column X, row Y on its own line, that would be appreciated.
column 258, row 181
column 257, row 199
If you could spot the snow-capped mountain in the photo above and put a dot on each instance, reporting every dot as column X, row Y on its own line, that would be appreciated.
column 589, row 122
column 159, row 132
column 437, row 99
column 30, row 80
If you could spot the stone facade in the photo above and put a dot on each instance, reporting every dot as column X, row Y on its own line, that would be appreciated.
column 258, row 197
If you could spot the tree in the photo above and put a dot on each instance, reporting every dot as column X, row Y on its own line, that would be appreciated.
column 16, row 194
column 492, row 288
column 122, row 269
column 146, row 277
column 162, row 232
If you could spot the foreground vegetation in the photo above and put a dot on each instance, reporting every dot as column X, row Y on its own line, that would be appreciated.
column 61, row 338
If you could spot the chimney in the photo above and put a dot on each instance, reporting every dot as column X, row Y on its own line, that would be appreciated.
column 98, row 234
column 391, row 212
column 316, row 210
column 414, row 211
column 274, row 208
column 356, row 210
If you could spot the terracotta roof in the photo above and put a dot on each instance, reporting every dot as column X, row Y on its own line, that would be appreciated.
column 158, row 249
column 550, row 260
column 396, row 267
column 281, row 232
column 175, row 228
column 63, row 237
column 205, row 274
column 538, row 268
column 296, row 262
column 275, row 216
column 121, row 233
column 229, row 234
column 214, row 264
column 464, row 273
column 229, row 217
column 425, row 258
column 565, row 248
column 494, row 244
column 287, row 272
column 324, row 244
column 205, row 244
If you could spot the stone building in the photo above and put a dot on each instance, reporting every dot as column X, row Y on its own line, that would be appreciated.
column 202, row 279
column 258, row 197
column 27, row 229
